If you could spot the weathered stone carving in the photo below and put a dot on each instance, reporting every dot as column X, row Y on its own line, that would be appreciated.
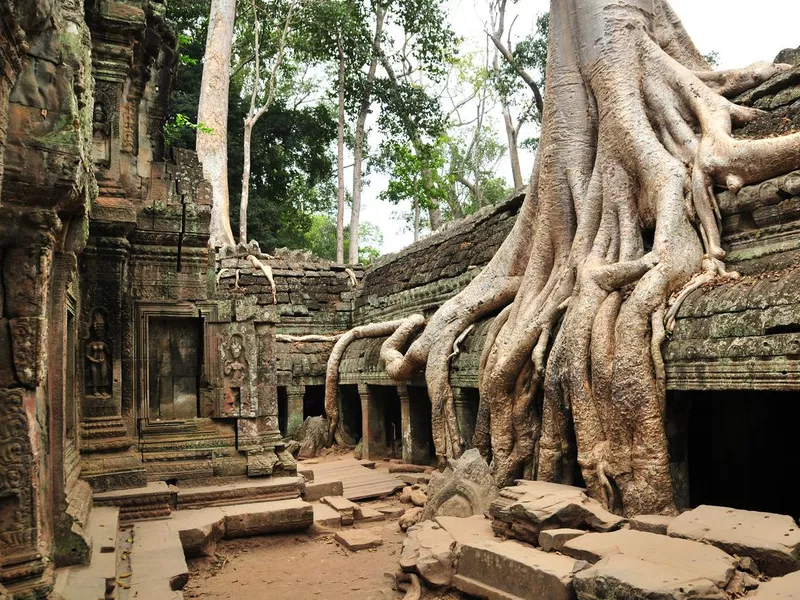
column 236, row 393
column 17, row 515
column 99, row 359
column 101, row 135
column 465, row 488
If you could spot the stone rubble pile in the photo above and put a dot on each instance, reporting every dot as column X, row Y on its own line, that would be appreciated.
column 544, row 541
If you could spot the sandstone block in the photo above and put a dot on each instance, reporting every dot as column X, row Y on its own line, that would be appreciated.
column 365, row 514
column 430, row 551
column 392, row 512
column 771, row 540
column 691, row 560
column 325, row 516
column 410, row 517
column 244, row 520
column 552, row 540
column 358, row 539
column 343, row 506
column 316, row 491
column 651, row 523
column 779, row 588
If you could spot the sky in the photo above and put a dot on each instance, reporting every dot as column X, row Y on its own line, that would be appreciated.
column 740, row 31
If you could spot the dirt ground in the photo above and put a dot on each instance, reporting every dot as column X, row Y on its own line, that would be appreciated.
column 304, row 566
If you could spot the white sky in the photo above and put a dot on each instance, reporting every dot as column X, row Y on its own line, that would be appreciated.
column 740, row 31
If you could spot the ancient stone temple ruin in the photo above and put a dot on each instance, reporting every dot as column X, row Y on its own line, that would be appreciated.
column 147, row 380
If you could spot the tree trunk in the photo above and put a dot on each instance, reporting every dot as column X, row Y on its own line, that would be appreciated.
column 248, row 136
column 212, row 111
column 513, row 148
column 360, row 136
column 340, row 163
column 635, row 135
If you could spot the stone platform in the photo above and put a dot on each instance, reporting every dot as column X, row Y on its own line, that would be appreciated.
column 359, row 482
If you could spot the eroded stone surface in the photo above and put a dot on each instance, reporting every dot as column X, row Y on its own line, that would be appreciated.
column 359, row 539
column 465, row 488
column 552, row 540
column 620, row 576
column 524, row 510
column 430, row 551
column 779, row 588
column 772, row 540
column 651, row 523
column 700, row 560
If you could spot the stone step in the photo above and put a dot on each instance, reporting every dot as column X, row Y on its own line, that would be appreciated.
column 199, row 530
column 157, row 562
column 326, row 516
column 255, row 490
column 95, row 580
column 138, row 504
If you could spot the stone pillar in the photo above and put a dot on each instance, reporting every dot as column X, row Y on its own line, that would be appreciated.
column 405, row 420
column 107, row 460
column 294, row 408
column 466, row 415
column 372, row 425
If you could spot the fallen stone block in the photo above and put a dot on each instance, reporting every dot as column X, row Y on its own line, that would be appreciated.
column 343, row 506
column 365, row 514
column 413, row 478
column 407, row 468
column 692, row 559
column 429, row 551
column 620, row 576
column 771, row 540
column 244, row 520
column 779, row 588
column 552, row 540
column 199, row 530
column 511, row 569
column 391, row 512
column 358, row 539
column 316, row 491
column 524, row 510
column 651, row 523
column 418, row 498
column 326, row 516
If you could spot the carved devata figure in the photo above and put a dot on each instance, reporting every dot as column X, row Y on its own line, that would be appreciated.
column 235, row 376
column 98, row 357
column 101, row 135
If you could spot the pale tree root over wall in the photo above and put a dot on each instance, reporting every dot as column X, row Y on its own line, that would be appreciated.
column 620, row 223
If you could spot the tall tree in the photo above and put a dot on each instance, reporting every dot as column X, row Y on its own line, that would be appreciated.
column 212, row 111
column 255, row 111
column 620, row 215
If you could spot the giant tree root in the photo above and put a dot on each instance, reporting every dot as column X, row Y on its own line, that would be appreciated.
column 621, row 215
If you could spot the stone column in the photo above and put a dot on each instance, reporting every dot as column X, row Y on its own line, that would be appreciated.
column 372, row 425
column 466, row 415
column 405, row 420
column 294, row 408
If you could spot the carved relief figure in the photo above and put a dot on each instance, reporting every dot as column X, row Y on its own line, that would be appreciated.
column 235, row 371
column 101, row 148
column 98, row 358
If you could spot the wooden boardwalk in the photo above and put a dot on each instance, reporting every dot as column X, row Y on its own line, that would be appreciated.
column 359, row 481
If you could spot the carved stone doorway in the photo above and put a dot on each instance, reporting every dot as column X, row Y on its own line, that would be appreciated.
column 175, row 354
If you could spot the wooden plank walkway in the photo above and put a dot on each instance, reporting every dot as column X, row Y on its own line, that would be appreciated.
column 359, row 482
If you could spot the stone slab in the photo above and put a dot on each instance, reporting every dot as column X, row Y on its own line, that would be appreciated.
column 491, row 568
column 307, row 473
column 326, row 516
column 772, row 540
column 392, row 512
column 359, row 539
column 651, row 523
column 365, row 514
column 621, row 576
column 360, row 480
column 199, row 530
column 138, row 504
column 316, row 490
column 158, row 565
column 700, row 560
column 552, row 540
column 343, row 506
column 243, row 520
column 430, row 551
column 779, row 588
column 272, row 488
column 93, row 580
